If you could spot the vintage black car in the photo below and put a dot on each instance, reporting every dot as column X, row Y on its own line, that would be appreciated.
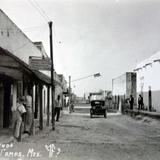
column 98, row 108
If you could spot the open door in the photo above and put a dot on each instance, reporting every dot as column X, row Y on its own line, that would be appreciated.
column 7, row 105
column 5, row 101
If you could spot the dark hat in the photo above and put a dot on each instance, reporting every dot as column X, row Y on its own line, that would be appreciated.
column 22, row 99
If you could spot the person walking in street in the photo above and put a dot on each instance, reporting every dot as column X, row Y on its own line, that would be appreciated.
column 140, row 102
column 131, row 102
column 57, row 108
column 17, row 113
column 71, row 106
column 29, row 117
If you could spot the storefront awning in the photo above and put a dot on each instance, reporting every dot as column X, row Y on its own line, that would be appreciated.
column 18, row 67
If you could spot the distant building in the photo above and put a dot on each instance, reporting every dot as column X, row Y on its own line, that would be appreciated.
column 86, row 95
column 148, row 81
column 124, row 86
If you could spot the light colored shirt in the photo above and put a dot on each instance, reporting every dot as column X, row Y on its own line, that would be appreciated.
column 28, row 101
column 21, row 108
column 58, row 104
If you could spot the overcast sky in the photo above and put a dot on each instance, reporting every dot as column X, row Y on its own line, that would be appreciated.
column 90, row 36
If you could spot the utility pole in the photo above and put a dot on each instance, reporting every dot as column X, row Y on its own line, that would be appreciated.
column 52, row 75
column 69, row 89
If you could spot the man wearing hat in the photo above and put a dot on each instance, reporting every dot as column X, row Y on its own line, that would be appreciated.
column 17, row 118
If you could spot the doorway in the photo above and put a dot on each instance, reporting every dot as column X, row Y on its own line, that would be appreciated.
column 7, row 105
column 5, row 102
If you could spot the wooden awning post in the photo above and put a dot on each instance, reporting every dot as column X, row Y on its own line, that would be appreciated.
column 41, row 107
column 33, row 105
column 36, row 102
column 48, row 105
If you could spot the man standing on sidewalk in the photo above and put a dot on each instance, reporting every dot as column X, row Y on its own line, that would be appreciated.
column 29, row 117
column 57, row 108
column 131, row 101
column 17, row 119
column 140, row 102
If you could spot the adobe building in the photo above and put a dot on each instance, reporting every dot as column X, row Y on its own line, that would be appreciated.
column 148, row 81
column 17, row 78
column 124, row 86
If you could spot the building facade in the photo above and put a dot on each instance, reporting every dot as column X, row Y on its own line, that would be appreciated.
column 17, row 78
column 148, row 81
column 124, row 86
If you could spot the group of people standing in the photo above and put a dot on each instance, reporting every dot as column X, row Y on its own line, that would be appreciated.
column 140, row 102
column 22, row 112
column 22, row 115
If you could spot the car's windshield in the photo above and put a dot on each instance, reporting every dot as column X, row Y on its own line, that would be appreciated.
column 97, row 97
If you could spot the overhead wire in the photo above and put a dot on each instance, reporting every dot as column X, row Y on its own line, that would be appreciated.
column 40, row 11
column 45, row 17
column 40, row 8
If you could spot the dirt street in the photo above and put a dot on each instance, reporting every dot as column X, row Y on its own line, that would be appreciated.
column 78, row 137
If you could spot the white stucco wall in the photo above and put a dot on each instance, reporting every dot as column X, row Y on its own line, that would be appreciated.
column 119, row 85
column 149, row 76
column 15, row 41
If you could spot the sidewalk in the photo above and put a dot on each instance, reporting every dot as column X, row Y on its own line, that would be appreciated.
column 6, row 135
column 135, row 112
